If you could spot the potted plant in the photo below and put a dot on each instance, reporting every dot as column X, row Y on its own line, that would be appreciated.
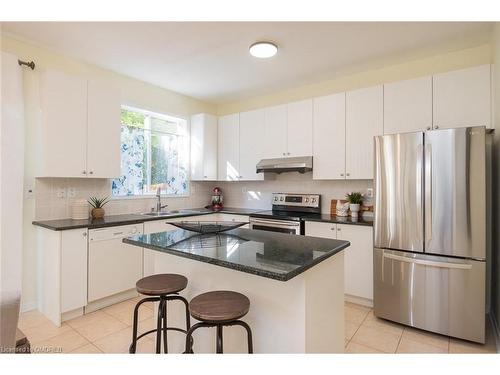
column 355, row 199
column 97, row 205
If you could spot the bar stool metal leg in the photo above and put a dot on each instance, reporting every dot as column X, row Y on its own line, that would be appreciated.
column 219, row 343
column 164, row 330
column 133, row 346
column 159, row 327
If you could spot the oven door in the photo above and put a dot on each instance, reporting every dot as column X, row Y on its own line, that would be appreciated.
column 280, row 226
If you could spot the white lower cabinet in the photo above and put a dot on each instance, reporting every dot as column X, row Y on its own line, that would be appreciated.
column 358, row 257
column 62, row 273
column 114, row 266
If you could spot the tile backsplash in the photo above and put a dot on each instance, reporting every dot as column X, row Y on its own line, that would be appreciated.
column 52, row 200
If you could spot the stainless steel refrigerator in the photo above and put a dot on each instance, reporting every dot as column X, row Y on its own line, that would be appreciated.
column 430, row 230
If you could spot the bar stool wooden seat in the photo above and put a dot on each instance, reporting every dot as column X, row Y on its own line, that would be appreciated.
column 160, row 288
column 219, row 309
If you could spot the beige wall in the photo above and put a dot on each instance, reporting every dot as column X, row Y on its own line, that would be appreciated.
column 133, row 92
column 369, row 77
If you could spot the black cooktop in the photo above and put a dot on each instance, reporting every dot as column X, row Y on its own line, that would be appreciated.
column 282, row 215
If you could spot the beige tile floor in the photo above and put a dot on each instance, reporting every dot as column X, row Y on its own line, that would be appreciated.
column 109, row 331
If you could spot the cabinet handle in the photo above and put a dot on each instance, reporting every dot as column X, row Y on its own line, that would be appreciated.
column 91, row 172
column 288, row 153
column 332, row 228
column 428, row 128
column 84, row 234
column 347, row 174
column 338, row 229
column 284, row 153
column 436, row 127
column 341, row 175
column 84, row 172
column 204, row 176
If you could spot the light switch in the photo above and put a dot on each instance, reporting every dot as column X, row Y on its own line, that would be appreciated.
column 61, row 193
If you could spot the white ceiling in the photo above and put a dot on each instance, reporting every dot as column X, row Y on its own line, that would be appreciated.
column 210, row 61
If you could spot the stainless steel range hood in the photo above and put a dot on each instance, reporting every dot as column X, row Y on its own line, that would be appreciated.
column 301, row 164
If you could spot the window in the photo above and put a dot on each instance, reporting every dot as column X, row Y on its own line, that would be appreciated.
column 154, row 154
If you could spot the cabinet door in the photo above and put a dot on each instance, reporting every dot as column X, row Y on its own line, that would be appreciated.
column 275, row 137
column 252, row 131
column 103, row 141
column 73, row 269
column 299, row 128
column 329, row 137
column 63, row 133
column 358, row 260
column 323, row 230
column 462, row 98
column 158, row 226
column 229, row 147
column 408, row 106
column 236, row 218
column 203, row 147
column 364, row 120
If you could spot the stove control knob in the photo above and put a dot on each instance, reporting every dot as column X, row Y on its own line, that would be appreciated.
column 313, row 200
column 307, row 200
column 275, row 199
column 281, row 199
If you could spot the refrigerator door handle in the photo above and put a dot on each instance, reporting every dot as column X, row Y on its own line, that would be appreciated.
column 431, row 263
column 428, row 193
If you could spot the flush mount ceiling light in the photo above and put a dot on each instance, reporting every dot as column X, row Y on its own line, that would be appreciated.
column 263, row 50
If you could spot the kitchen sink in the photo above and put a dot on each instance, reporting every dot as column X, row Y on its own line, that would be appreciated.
column 171, row 213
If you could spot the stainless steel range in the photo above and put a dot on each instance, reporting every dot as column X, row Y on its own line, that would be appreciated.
column 287, row 213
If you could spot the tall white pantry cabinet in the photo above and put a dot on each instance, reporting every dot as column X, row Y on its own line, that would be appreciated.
column 80, row 127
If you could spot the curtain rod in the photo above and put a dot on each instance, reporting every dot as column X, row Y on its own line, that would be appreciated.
column 30, row 64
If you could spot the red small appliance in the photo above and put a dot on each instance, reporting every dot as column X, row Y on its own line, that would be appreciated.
column 217, row 199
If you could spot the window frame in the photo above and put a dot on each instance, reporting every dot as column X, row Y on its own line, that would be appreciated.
column 164, row 116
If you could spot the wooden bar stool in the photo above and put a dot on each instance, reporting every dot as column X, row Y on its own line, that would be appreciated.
column 162, row 288
column 219, row 309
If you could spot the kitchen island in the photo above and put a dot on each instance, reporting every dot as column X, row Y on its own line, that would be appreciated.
column 295, row 285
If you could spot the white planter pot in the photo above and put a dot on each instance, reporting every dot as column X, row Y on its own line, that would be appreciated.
column 354, row 209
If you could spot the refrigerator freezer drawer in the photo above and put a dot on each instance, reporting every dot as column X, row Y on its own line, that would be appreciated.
column 438, row 294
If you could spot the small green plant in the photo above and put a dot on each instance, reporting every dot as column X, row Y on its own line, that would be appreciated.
column 98, row 202
column 355, row 198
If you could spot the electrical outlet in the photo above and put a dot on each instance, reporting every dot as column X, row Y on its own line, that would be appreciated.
column 369, row 193
column 29, row 193
column 71, row 192
column 61, row 193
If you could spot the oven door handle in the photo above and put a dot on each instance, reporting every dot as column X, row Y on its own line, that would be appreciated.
column 275, row 223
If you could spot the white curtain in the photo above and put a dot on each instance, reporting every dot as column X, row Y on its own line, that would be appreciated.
column 11, row 196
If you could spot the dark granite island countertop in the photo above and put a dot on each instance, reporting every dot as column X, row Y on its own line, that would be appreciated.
column 272, row 255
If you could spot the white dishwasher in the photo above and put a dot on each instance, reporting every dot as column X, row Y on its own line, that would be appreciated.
column 113, row 266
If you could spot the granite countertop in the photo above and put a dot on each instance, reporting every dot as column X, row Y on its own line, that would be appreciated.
column 268, row 254
column 114, row 220
column 327, row 218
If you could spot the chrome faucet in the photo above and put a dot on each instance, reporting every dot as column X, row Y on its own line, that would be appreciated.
column 158, row 203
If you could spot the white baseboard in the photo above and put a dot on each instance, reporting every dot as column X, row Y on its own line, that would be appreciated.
column 496, row 330
column 358, row 300
column 28, row 306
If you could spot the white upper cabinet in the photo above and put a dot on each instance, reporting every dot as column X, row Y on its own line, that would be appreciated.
column 103, row 131
column 229, row 147
column 329, row 137
column 408, row 105
column 275, row 139
column 462, row 98
column 63, row 130
column 203, row 147
column 252, row 147
column 299, row 128
column 364, row 120
column 80, row 129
